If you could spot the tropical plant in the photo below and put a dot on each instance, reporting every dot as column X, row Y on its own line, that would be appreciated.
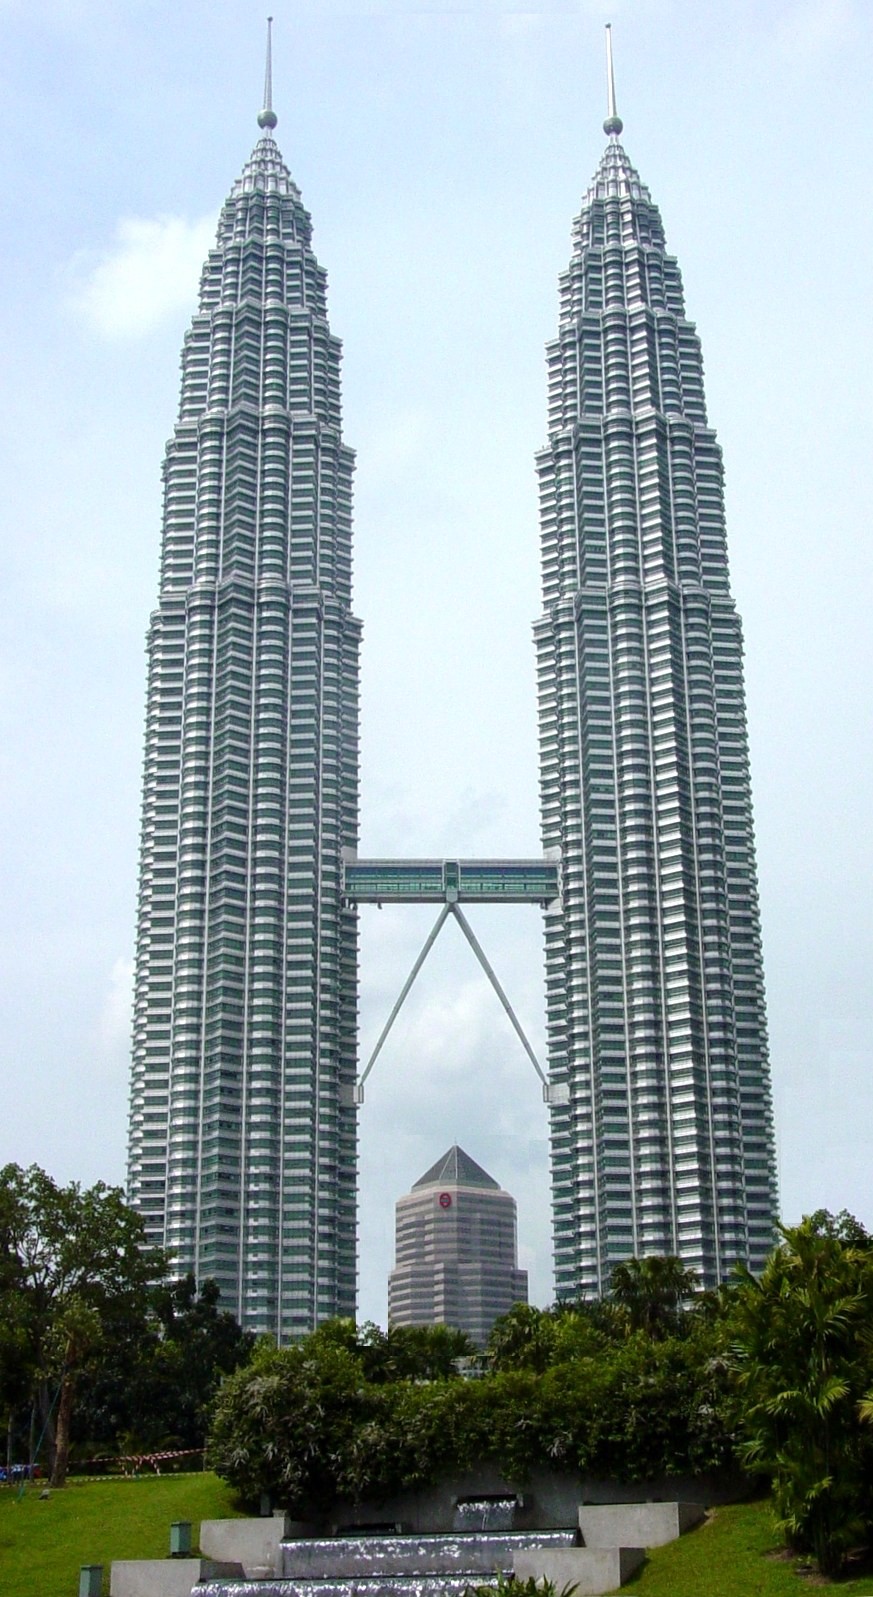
column 523, row 1338
column 652, row 1291
column 801, row 1336
column 514, row 1586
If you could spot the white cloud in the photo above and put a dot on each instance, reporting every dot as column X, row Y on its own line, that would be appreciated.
column 149, row 273
column 115, row 1016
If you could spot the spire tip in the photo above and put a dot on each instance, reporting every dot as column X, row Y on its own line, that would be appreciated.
column 267, row 118
column 613, row 124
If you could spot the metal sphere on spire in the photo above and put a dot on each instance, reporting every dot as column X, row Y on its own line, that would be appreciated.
column 267, row 118
column 613, row 124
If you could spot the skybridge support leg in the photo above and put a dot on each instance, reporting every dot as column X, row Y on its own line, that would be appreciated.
column 451, row 908
column 470, row 935
column 440, row 923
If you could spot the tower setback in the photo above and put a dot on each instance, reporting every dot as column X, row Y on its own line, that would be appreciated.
column 662, row 1135
column 242, row 1131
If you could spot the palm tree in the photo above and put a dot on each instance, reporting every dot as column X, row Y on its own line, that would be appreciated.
column 652, row 1291
column 801, row 1335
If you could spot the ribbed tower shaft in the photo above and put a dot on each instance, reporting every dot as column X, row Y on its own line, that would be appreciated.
column 242, row 1134
column 655, row 996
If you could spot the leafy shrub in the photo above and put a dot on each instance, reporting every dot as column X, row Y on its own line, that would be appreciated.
column 803, row 1338
column 307, row 1426
column 514, row 1586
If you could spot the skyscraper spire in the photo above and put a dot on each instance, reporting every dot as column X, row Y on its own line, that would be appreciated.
column 662, row 1133
column 613, row 124
column 268, row 118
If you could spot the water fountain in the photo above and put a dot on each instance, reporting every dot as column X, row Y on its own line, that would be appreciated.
column 365, row 1561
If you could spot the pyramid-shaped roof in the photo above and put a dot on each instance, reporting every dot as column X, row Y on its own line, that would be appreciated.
column 456, row 1168
column 615, row 178
column 265, row 171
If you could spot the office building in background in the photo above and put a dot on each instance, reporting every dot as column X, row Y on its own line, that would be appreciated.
column 456, row 1253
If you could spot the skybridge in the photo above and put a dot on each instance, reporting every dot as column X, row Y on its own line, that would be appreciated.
column 452, row 883
column 444, row 881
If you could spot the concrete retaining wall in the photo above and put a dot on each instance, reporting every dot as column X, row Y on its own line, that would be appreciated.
column 166, row 1577
column 590, row 1570
column 549, row 1500
column 637, row 1524
column 254, row 1543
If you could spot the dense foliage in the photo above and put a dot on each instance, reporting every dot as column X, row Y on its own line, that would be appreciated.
column 803, row 1338
column 101, row 1352
column 774, row 1374
column 74, row 1269
column 98, row 1350
column 576, row 1390
column 154, row 1387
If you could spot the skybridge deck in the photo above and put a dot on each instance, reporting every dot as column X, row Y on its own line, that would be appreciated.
column 466, row 881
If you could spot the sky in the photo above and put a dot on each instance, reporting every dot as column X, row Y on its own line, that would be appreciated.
column 443, row 151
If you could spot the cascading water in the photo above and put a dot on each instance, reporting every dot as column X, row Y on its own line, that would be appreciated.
column 485, row 1513
column 399, row 1566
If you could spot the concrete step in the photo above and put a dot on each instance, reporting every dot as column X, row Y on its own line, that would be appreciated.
column 589, row 1569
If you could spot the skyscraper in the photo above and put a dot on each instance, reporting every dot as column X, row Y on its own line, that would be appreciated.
column 456, row 1250
column 243, row 1153
column 242, row 1129
column 655, row 1003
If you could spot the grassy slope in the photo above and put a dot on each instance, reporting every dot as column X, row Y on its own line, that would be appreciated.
column 44, row 1544
column 728, row 1557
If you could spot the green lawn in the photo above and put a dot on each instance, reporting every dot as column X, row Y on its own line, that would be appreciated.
column 44, row 1544
column 728, row 1557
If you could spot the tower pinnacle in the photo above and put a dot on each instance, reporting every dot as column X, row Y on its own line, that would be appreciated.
column 613, row 124
column 267, row 118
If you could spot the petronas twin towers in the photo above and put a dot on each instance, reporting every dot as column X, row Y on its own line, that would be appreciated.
column 244, row 1083
column 243, row 1133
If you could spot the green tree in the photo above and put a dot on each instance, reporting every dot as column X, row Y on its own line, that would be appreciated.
column 522, row 1339
column 802, row 1347
column 413, row 1352
column 73, row 1264
column 652, row 1291
column 155, row 1384
column 199, row 1343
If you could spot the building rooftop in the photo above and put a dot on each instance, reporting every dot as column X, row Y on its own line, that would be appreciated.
column 456, row 1168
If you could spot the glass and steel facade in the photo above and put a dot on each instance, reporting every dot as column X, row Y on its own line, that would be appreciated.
column 662, row 1136
column 242, row 1131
